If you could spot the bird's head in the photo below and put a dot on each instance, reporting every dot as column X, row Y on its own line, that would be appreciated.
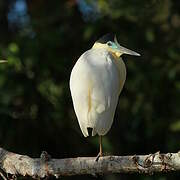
column 109, row 42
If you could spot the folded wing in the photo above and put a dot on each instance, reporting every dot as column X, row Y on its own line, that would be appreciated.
column 95, row 85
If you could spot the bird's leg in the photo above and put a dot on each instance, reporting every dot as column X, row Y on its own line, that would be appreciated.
column 100, row 154
column 100, row 146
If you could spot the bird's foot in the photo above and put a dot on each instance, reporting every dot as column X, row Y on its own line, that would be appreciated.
column 98, row 156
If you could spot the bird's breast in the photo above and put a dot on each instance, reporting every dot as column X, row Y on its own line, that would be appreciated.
column 121, row 68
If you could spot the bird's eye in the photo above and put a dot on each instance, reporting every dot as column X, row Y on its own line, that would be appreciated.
column 109, row 43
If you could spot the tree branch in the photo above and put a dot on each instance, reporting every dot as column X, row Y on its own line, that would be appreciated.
column 16, row 164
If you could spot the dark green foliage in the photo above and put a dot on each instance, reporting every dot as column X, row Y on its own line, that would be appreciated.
column 42, row 42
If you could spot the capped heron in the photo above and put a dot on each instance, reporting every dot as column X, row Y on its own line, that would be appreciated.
column 96, row 81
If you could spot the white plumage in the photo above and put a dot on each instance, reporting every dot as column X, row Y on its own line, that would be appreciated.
column 95, row 83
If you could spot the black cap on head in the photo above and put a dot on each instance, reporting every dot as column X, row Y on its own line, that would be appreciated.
column 106, row 38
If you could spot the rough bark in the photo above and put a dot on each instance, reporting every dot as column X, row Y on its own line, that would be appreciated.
column 15, row 164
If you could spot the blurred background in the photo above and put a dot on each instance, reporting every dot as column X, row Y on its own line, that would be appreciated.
column 42, row 40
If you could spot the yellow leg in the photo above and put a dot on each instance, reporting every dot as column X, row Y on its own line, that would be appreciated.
column 100, row 154
column 100, row 146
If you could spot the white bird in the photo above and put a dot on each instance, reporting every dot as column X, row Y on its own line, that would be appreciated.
column 96, row 82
